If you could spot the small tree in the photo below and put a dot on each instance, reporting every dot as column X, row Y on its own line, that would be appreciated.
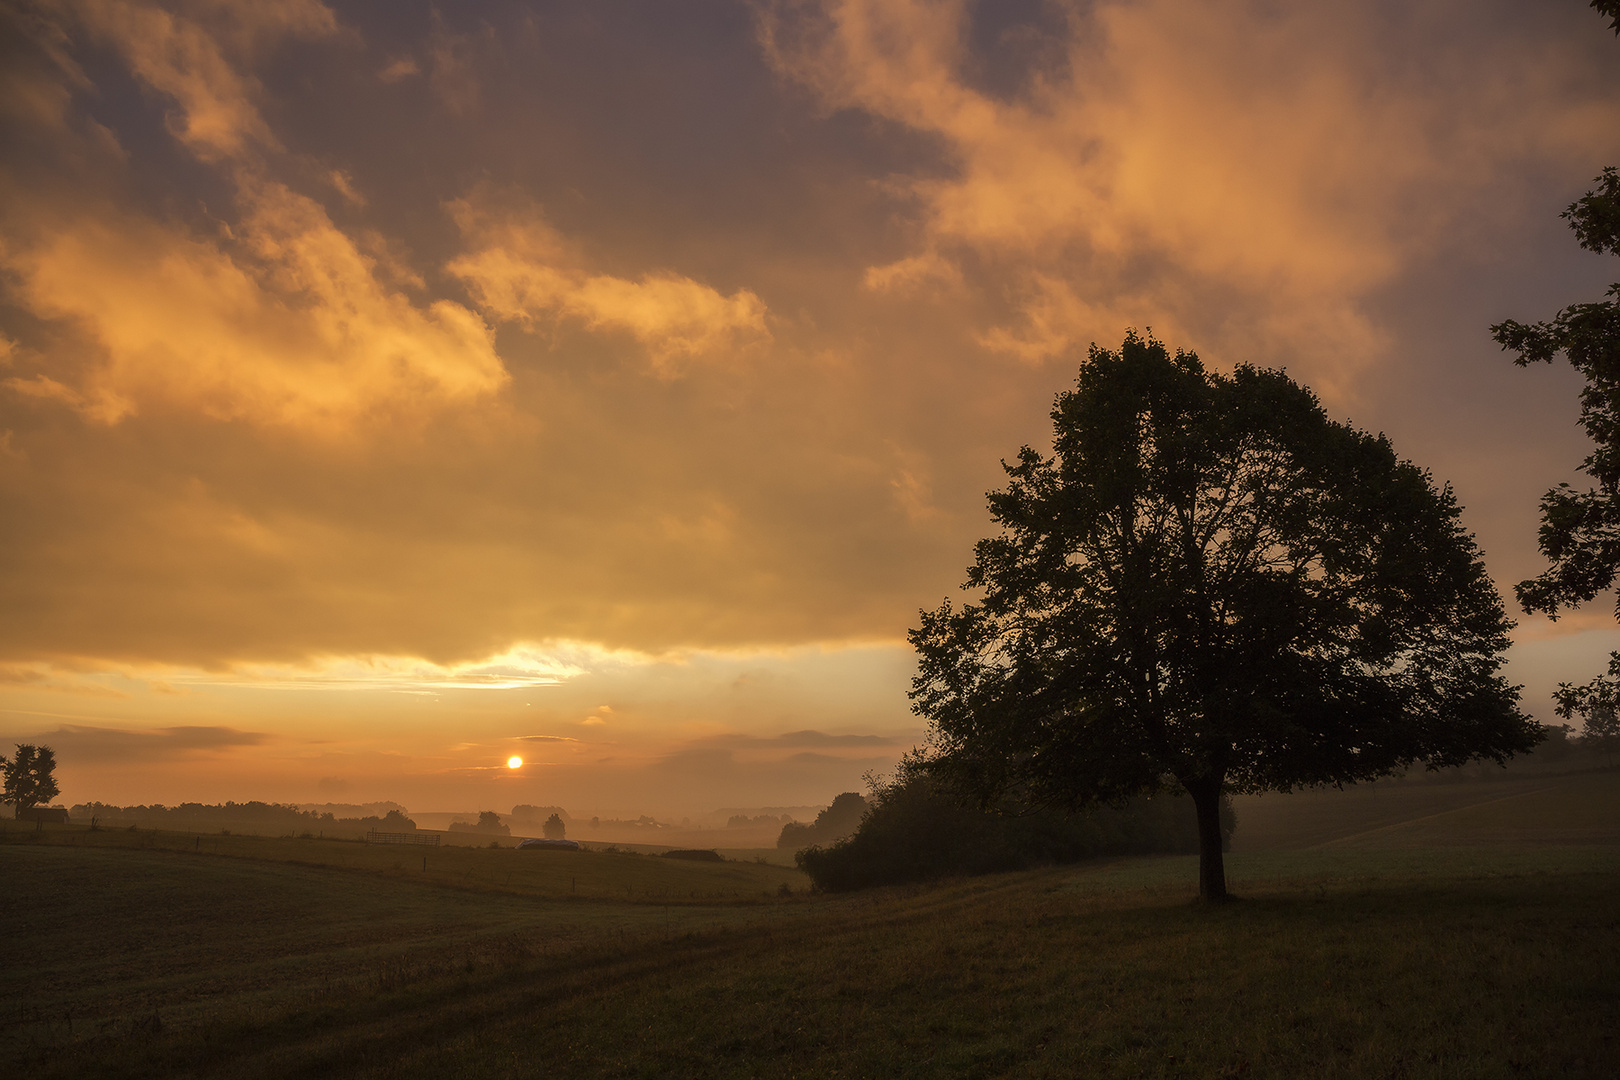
column 1211, row 584
column 1601, row 729
column 29, row 777
column 554, row 828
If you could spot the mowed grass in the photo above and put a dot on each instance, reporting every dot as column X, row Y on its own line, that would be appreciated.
column 1512, row 810
column 1458, row 959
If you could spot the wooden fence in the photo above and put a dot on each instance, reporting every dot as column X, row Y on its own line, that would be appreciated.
column 426, row 839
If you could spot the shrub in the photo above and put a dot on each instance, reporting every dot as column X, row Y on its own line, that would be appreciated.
column 839, row 820
column 915, row 831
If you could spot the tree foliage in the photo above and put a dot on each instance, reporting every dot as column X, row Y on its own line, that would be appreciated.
column 1580, row 530
column 1209, row 583
column 30, row 777
column 1609, row 9
column 1602, row 729
column 554, row 828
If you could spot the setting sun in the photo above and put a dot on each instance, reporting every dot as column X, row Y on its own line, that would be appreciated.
column 514, row 763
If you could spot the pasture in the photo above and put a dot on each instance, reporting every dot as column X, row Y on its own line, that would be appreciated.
column 1463, row 930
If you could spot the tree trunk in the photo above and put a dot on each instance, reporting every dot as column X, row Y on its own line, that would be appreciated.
column 1206, row 796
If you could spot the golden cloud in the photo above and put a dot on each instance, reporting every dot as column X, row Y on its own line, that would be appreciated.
column 913, row 272
column 283, row 321
column 1270, row 164
column 196, row 64
column 522, row 271
column 276, row 318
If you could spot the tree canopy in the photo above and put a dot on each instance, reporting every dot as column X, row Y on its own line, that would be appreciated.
column 30, row 777
column 1580, row 530
column 1209, row 583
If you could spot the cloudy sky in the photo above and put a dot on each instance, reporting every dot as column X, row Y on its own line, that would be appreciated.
column 386, row 390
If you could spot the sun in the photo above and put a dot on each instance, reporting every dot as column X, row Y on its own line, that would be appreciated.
column 514, row 763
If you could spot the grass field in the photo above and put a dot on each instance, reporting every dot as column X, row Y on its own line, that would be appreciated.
column 1448, row 931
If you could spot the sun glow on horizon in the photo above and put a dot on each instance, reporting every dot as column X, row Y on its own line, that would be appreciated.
column 514, row 762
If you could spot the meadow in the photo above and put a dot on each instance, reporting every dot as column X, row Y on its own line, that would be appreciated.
column 1466, row 930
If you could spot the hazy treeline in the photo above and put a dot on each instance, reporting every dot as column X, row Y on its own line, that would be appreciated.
column 489, row 822
column 915, row 832
column 353, row 810
column 759, row 821
column 643, row 825
column 249, row 817
column 534, row 818
column 526, row 816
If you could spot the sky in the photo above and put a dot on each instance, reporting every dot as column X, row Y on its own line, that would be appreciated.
column 390, row 390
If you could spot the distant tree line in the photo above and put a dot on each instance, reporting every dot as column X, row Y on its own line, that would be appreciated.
column 644, row 823
column 524, row 813
column 1598, row 744
column 251, row 816
column 917, row 830
column 760, row 821
column 488, row 823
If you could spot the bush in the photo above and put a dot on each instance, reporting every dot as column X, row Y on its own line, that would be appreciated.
column 839, row 820
column 917, row 832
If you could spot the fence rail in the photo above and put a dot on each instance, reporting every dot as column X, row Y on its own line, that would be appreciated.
column 425, row 839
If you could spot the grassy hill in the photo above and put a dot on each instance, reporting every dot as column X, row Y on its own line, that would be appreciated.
column 1578, row 808
column 1435, row 933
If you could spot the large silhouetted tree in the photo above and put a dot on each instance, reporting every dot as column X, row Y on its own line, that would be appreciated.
column 30, row 777
column 1209, row 583
column 1580, row 530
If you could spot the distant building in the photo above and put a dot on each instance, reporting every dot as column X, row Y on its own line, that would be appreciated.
column 50, row 815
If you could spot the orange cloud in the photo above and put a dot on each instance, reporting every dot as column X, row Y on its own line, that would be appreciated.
column 1271, row 163
column 522, row 271
column 282, row 322
column 276, row 318
column 913, row 272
